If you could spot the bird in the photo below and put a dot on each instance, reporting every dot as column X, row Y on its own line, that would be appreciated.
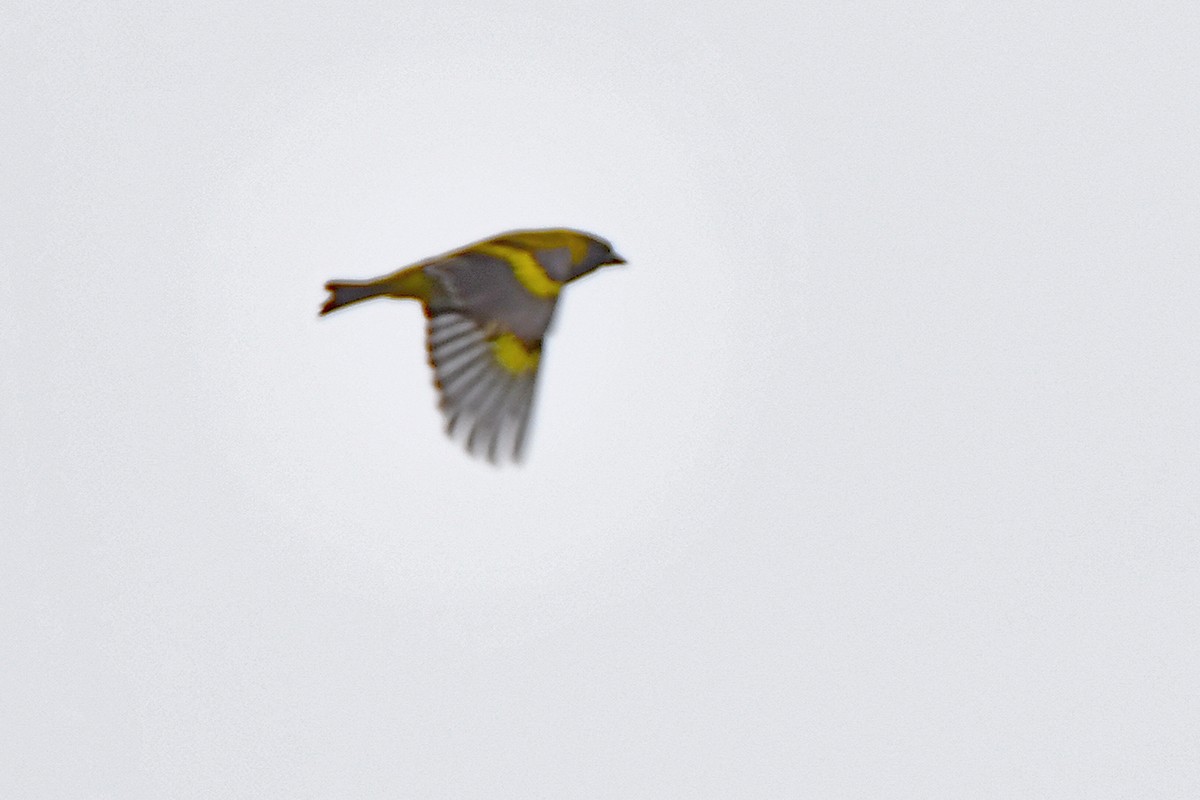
column 488, row 308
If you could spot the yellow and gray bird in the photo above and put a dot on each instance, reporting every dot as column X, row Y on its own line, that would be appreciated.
column 488, row 308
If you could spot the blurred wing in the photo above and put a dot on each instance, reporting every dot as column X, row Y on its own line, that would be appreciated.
column 486, row 382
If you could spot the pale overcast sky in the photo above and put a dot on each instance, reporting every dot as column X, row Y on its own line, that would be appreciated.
column 875, row 473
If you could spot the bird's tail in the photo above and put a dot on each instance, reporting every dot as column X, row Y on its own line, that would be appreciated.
column 408, row 282
column 343, row 293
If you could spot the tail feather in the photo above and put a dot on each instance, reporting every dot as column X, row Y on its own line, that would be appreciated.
column 343, row 293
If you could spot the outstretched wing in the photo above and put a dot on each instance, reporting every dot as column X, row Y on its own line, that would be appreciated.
column 486, row 380
column 485, row 335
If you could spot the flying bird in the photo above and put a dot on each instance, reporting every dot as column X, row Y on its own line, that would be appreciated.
column 488, row 307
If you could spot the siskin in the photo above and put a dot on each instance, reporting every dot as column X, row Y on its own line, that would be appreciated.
column 488, row 307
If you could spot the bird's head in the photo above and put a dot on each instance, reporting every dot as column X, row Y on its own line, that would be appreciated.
column 598, row 253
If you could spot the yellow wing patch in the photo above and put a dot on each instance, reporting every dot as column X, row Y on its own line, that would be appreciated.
column 524, row 265
column 513, row 355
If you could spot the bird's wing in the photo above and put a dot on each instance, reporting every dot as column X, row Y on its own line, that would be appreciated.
column 485, row 336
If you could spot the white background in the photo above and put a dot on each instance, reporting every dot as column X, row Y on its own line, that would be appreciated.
column 876, row 473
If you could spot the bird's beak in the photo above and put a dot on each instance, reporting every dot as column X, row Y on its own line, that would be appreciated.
column 615, row 259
